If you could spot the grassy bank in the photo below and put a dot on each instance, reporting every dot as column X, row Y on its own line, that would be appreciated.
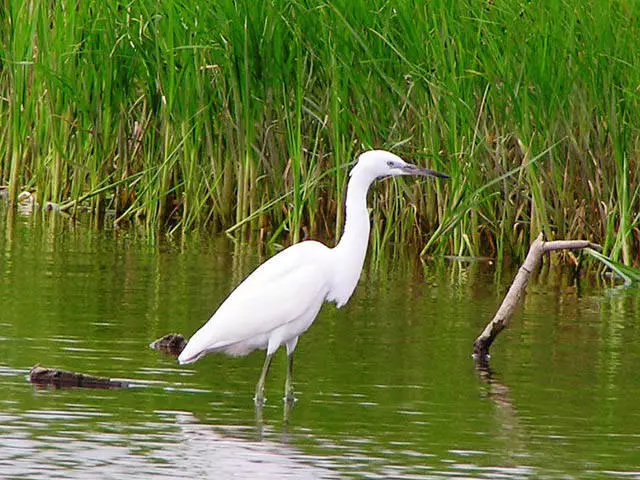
column 242, row 116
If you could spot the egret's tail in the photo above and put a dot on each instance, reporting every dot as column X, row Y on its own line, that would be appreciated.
column 189, row 355
column 202, row 342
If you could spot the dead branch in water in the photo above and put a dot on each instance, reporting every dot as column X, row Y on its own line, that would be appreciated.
column 502, row 319
column 63, row 379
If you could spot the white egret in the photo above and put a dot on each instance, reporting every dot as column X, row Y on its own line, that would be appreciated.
column 276, row 303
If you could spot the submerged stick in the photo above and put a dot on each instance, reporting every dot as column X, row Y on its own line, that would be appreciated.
column 63, row 379
column 502, row 319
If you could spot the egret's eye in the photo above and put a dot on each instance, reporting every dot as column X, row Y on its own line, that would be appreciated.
column 390, row 163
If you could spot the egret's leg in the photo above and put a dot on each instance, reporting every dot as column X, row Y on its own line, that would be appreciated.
column 259, row 421
column 286, row 413
column 259, row 398
column 288, row 384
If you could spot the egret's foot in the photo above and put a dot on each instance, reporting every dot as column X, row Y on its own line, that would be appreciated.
column 288, row 392
column 259, row 396
column 289, row 403
column 259, row 399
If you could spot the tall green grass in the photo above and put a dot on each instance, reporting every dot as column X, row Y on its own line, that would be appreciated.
column 242, row 116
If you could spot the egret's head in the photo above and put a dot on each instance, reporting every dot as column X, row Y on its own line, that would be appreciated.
column 380, row 164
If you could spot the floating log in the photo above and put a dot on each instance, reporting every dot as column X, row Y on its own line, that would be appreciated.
column 63, row 379
column 503, row 317
column 173, row 344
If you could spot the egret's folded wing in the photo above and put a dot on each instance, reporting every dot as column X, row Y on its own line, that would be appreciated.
column 279, row 291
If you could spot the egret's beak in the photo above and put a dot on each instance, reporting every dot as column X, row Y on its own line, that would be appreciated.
column 410, row 169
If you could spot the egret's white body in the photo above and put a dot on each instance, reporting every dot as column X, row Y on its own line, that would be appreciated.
column 291, row 285
column 276, row 303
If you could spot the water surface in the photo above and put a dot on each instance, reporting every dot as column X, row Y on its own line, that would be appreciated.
column 386, row 386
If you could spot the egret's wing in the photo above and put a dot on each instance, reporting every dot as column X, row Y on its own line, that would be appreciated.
column 279, row 291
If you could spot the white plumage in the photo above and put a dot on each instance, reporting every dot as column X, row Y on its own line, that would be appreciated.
column 272, row 305
column 276, row 303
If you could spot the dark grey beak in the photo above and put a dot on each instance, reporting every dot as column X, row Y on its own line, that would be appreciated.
column 410, row 169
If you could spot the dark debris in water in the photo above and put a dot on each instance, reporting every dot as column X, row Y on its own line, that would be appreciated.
column 172, row 344
column 54, row 377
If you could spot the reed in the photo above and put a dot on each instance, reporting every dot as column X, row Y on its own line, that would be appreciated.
column 243, row 116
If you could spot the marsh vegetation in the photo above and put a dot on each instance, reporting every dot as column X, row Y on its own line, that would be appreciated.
column 242, row 116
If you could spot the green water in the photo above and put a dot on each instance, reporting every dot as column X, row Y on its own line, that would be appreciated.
column 386, row 386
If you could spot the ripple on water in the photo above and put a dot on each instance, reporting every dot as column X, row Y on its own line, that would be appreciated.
column 175, row 447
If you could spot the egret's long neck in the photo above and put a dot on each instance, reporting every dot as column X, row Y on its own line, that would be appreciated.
column 355, row 236
column 352, row 247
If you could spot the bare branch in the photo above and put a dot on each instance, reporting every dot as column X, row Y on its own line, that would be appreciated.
column 503, row 317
